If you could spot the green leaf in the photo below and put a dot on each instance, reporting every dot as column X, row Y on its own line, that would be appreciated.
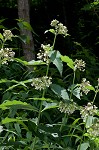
column 42, row 99
column 68, row 60
column 60, row 91
column 18, row 129
column 29, row 136
column 55, row 58
column 30, row 63
column 90, row 87
column 75, row 90
column 24, row 38
column 49, row 106
column 17, row 105
column 8, row 120
column 27, row 26
column 90, row 120
column 35, row 63
column 83, row 146
column 1, row 36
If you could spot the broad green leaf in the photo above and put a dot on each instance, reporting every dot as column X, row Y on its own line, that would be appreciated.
column 27, row 25
column 83, row 146
column 55, row 58
column 34, row 63
column 60, row 91
column 49, row 106
column 90, row 88
column 29, row 136
column 75, row 90
column 17, row 105
column 52, row 31
column 30, row 63
column 68, row 60
column 90, row 120
column 8, row 120
column 1, row 36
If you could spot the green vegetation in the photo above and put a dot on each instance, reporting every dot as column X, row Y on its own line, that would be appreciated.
column 50, row 103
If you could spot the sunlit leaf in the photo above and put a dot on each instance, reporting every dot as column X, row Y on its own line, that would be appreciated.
column 49, row 105
column 83, row 146
column 8, row 120
column 17, row 105
column 30, row 63
column 68, row 60
column 55, row 58
column 60, row 91
column 1, row 36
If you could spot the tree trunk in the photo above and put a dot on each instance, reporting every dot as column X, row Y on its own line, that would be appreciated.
column 23, row 13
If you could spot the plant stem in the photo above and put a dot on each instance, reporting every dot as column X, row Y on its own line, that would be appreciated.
column 54, row 40
column 95, row 96
column 73, row 84
column 63, row 122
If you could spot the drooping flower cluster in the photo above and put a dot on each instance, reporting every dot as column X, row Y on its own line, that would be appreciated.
column 59, row 27
column 80, row 65
column 67, row 108
column 6, row 54
column 7, row 34
column 43, row 54
column 83, row 86
column 89, row 110
column 41, row 83
column 94, row 129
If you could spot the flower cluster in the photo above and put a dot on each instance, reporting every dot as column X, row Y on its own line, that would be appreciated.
column 94, row 129
column 43, row 54
column 7, row 34
column 59, row 27
column 41, row 83
column 6, row 54
column 80, row 65
column 83, row 86
column 89, row 110
column 67, row 108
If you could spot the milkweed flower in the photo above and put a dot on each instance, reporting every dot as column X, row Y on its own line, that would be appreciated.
column 83, row 86
column 6, row 54
column 41, row 83
column 67, row 108
column 7, row 34
column 89, row 110
column 79, row 64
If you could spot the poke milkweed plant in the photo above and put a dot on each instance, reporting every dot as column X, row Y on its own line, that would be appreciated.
column 42, row 114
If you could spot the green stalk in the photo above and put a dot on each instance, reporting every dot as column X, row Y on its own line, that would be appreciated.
column 64, row 119
column 95, row 95
column 43, row 94
column 73, row 84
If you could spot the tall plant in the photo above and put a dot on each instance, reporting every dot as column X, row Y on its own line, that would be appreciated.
column 44, row 111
